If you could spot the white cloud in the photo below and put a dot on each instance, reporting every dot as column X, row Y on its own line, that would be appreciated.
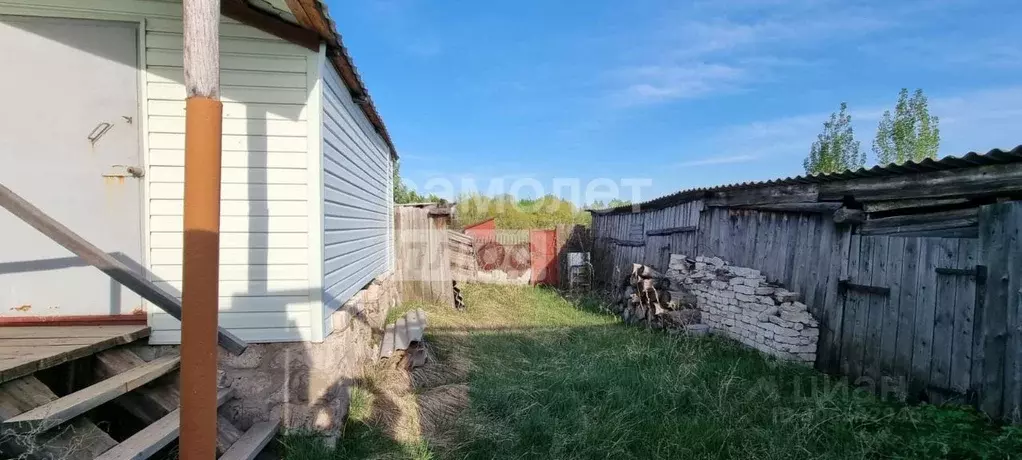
column 719, row 160
column 979, row 120
column 703, row 51
column 678, row 81
column 971, row 121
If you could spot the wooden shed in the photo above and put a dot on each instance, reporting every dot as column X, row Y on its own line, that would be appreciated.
column 912, row 270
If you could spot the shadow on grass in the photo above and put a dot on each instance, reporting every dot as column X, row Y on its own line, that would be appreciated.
column 530, row 375
column 618, row 392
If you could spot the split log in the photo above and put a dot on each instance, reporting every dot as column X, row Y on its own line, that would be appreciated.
column 650, row 273
column 647, row 298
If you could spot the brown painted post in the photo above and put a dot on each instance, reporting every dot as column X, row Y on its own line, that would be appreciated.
column 200, row 281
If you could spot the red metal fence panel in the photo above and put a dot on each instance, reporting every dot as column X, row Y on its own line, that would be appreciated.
column 543, row 246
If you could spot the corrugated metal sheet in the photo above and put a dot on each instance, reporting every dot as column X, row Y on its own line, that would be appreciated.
column 971, row 159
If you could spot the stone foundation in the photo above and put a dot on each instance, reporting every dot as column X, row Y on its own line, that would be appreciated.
column 305, row 384
column 739, row 303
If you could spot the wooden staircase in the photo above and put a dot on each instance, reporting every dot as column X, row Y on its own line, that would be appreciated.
column 37, row 423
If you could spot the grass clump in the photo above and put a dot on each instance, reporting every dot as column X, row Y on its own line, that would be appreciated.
column 525, row 373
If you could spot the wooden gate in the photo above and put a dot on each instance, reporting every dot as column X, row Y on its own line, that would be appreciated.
column 543, row 250
column 909, row 315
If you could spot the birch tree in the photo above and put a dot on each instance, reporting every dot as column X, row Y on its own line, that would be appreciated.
column 911, row 134
column 835, row 149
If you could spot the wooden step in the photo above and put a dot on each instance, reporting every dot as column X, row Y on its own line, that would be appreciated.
column 152, row 402
column 252, row 442
column 154, row 437
column 25, row 350
column 80, row 439
column 56, row 412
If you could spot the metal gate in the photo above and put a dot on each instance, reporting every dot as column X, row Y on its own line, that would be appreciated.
column 543, row 250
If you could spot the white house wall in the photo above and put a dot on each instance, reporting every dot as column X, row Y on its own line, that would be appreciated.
column 265, row 257
column 357, row 198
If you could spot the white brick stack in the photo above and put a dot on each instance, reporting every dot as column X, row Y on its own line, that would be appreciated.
column 739, row 303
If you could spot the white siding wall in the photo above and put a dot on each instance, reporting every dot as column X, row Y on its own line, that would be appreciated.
column 357, row 198
column 266, row 85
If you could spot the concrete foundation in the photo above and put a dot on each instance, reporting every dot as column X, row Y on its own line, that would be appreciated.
column 305, row 384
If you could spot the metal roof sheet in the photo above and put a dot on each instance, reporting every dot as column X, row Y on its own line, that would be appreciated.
column 971, row 159
column 298, row 13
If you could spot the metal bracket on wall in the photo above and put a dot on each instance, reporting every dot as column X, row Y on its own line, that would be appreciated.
column 980, row 272
column 844, row 286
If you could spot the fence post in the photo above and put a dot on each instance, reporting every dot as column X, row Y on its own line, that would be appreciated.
column 1000, row 328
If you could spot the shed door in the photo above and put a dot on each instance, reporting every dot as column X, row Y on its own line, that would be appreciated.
column 68, row 134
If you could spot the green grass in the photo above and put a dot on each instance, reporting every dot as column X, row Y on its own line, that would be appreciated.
column 551, row 378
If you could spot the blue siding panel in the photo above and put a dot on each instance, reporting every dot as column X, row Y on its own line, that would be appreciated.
column 357, row 186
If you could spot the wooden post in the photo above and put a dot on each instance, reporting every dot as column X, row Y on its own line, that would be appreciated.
column 1000, row 324
column 201, row 258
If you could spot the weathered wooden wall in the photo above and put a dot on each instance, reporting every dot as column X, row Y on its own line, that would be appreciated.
column 422, row 252
column 463, row 256
column 912, row 315
column 623, row 239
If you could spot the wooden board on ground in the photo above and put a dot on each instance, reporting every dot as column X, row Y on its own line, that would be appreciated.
column 85, row 340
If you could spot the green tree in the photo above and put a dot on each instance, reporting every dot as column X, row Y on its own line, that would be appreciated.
column 511, row 213
column 911, row 134
column 405, row 194
column 835, row 149
column 616, row 202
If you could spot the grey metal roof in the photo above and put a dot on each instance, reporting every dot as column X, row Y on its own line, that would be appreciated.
column 299, row 12
column 971, row 159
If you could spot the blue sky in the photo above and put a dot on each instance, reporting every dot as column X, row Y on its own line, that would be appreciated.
column 684, row 94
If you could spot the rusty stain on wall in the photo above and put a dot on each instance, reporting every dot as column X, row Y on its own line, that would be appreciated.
column 22, row 308
column 113, row 180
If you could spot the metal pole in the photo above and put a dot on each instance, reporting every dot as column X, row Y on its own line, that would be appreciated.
column 200, row 281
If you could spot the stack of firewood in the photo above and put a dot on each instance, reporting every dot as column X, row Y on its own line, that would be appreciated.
column 647, row 297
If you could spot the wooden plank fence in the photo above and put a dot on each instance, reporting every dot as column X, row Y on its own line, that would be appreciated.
column 928, row 317
column 463, row 256
column 423, row 265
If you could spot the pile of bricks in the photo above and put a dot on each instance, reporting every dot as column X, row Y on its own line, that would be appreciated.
column 739, row 303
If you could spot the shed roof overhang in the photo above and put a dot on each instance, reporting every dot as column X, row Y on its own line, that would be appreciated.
column 306, row 23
